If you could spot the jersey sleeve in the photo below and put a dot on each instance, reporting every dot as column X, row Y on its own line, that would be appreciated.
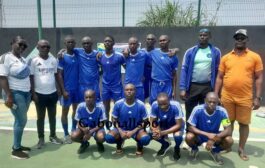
column 77, row 114
column 61, row 63
column 102, row 115
column 178, row 111
column 222, row 64
column 258, row 64
column 153, row 113
column 225, row 119
column 115, row 112
column 175, row 62
column 55, row 65
column 193, row 120
column 32, row 66
column 143, row 112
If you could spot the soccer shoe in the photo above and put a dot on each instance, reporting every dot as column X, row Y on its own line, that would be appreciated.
column 83, row 148
column 164, row 148
column 194, row 153
column 19, row 154
column 40, row 143
column 56, row 140
column 216, row 157
column 67, row 139
column 100, row 147
column 176, row 154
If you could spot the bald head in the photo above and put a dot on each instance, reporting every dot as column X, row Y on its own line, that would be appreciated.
column 211, row 101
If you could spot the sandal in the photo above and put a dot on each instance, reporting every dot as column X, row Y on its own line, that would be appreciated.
column 242, row 155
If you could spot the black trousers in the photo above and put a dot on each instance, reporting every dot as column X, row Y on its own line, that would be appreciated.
column 46, row 102
column 196, row 96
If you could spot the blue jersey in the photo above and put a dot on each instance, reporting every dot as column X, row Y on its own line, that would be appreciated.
column 129, row 116
column 135, row 69
column 69, row 65
column 90, row 118
column 111, row 66
column 167, row 119
column 163, row 66
column 88, row 66
column 200, row 119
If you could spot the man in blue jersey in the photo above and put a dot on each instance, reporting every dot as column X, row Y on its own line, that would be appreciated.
column 135, row 63
column 88, row 75
column 205, row 121
column 150, row 46
column 164, row 70
column 90, row 116
column 167, row 117
column 88, row 68
column 111, row 62
column 198, row 72
column 68, row 82
column 129, row 117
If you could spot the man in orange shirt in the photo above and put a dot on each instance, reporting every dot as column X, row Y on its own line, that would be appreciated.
column 237, row 71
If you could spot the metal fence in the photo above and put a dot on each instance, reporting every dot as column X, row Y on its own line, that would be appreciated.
column 118, row 13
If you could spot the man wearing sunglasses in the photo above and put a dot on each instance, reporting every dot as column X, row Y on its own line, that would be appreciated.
column 238, row 70
column 44, row 92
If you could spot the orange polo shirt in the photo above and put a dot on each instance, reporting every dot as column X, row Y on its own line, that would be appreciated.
column 239, row 75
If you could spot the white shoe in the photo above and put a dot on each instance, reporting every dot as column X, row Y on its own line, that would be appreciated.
column 67, row 139
column 185, row 146
column 261, row 114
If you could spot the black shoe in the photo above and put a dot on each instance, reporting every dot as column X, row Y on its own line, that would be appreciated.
column 83, row 147
column 176, row 154
column 163, row 150
column 23, row 148
column 100, row 147
column 19, row 154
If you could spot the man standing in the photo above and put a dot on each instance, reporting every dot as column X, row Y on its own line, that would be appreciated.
column 43, row 79
column 166, row 118
column 235, row 77
column 164, row 70
column 68, row 81
column 205, row 121
column 198, row 72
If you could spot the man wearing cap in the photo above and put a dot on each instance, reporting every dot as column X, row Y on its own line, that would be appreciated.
column 198, row 72
column 235, row 77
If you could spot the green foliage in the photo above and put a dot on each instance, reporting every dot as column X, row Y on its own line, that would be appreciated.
column 172, row 14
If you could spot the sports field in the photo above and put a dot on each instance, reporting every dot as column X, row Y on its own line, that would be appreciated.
column 64, row 156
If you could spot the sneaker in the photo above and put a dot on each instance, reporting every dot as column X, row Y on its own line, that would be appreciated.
column 56, row 140
column 176, row 154
column 139, row 150
column 82, row 148
column 261, row 114
column 194, row 153
column 216, row 157
column 119, row 147
column 185, row 146
column 67, row 139
column 100, row 147
column 23, row 148
column 164, row 148
column 19, row 154
column 41, row 143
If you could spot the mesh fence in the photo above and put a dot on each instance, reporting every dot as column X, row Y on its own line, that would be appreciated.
column 109, row 13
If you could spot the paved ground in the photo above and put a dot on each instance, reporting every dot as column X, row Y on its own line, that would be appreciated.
column 65, row 155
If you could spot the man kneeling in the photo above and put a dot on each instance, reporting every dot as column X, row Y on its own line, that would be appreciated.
column 205, row 121
column 129, row 116
column 91, row 117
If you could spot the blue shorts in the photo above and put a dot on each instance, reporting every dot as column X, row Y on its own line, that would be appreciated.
column 84, row 87
column 73, row 98
column 114, row 93
column 133, row 136
column 158, row 87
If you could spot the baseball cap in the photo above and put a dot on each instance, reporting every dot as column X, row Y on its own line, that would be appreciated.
column 241, row 31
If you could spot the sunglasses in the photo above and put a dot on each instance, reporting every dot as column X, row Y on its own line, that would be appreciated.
column 23, row 45
column 240, row 38
column 45, row 46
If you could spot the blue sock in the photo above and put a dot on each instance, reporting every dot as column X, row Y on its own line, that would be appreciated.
column 65, row 129
column 178, row 140
column 216, row 149
column 194, row 147
column 162, row 141
column 74, row 123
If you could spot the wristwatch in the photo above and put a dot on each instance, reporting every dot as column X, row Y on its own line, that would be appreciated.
column 259, row 98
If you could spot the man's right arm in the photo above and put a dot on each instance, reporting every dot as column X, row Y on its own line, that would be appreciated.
column 219, row 82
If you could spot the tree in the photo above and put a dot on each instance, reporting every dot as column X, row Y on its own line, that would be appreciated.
column 173, row 14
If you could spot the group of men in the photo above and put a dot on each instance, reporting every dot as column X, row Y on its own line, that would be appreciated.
column 205, row 76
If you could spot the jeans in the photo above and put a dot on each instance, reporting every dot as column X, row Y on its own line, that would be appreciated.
column 21, row 100
column 46, row 102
